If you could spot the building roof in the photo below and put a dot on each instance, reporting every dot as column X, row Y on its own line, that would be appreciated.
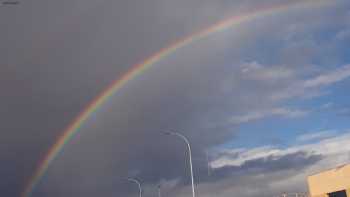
column 331, row 180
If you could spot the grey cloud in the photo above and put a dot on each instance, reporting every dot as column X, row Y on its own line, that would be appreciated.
column 270, row 164
column 257, row 115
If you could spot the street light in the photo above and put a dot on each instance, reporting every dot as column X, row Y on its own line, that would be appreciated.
column 189, row 153
column 159, row 193
column 208, row 162
column 138, row 184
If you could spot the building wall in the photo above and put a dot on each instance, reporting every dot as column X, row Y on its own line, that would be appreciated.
column 330, row 181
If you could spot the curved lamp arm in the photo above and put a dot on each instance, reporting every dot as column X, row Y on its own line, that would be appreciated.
column 189, row 153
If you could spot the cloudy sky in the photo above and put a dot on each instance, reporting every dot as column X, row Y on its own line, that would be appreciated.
column 268, row 100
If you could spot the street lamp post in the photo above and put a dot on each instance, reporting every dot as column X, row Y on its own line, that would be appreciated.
column 189, row 153
column 159, row 193
column 138, row 184
column 208, row 162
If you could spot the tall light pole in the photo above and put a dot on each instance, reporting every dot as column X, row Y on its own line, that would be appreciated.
column 159, row 194
column 138, row 184
column 189, row 153
column 208, row 162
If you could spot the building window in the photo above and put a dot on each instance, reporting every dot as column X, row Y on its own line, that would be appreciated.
column 338, row 194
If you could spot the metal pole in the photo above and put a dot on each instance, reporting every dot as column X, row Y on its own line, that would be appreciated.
column 189, row 153
column 159, row 194
column 208, row 162
column 138, row 184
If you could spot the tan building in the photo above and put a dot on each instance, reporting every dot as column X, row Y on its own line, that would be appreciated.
column 331, row 183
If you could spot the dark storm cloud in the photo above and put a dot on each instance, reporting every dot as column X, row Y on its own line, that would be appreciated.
column 55, row 58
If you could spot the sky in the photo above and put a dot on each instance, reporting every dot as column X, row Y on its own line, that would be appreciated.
column 267, row 100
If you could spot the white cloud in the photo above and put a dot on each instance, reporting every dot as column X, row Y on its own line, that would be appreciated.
column 250, row 67
column 308, row 88
column 256, row 115
column 327, row 105
column 328, row 78
column 291, row 84
column 242, row 155
column 342, row 35
column 326, row 147
column 257, row 71
column 316, row 135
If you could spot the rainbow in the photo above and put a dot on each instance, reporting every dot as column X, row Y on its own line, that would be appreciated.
column 140, row 68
